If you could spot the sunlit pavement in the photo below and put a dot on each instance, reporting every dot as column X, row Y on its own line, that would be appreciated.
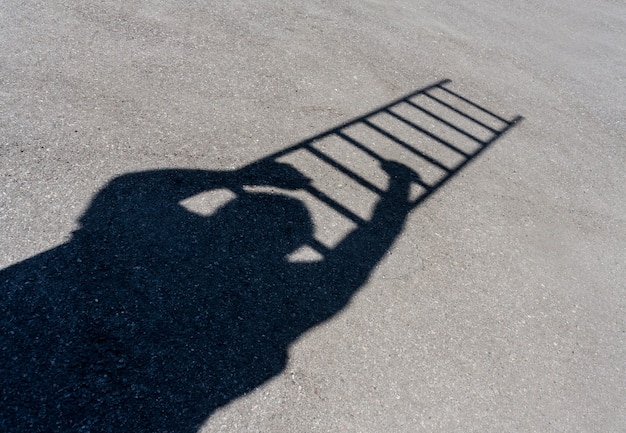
column 488, row 298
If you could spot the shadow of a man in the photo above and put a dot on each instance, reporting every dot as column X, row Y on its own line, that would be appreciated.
column 151, row 317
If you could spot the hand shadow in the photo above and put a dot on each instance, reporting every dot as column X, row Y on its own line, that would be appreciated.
column 151, row 317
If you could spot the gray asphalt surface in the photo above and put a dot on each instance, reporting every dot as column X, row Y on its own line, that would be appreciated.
column 501, row 304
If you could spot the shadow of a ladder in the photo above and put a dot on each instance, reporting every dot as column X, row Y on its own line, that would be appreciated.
column 434, row 130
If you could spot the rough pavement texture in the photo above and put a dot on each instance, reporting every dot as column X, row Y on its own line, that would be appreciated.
column 500, row 307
